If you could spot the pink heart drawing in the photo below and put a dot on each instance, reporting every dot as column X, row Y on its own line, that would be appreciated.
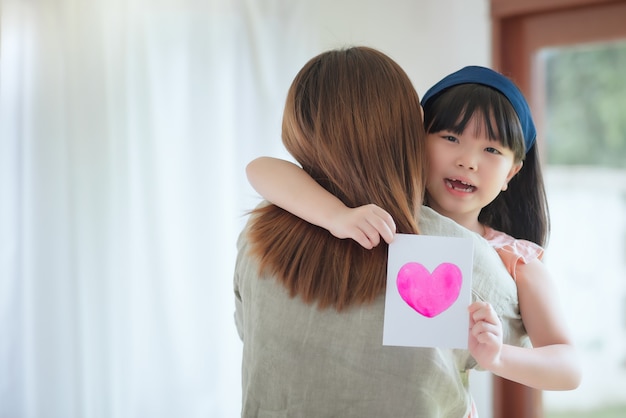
column 429, row 294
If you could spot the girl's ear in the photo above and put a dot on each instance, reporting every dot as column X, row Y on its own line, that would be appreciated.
column 514, row 170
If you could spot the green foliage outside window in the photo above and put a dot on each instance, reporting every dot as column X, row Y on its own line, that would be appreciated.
column 586, row 105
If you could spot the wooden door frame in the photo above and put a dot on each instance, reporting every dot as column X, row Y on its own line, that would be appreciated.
column 519, row 30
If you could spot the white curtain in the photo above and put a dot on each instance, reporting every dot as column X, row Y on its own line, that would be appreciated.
column 125, row 126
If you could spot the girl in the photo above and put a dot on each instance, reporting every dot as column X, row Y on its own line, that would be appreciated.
column 484, row 174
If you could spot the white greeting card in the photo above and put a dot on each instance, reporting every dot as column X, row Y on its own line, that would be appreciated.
column 429, row 282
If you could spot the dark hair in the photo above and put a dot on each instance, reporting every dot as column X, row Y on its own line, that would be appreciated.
column 352, row 120
column 522, row 210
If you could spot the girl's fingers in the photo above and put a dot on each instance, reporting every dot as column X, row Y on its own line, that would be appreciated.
column 366, row 225
column 362, row 239
column 483, row 327
column 388, row 228
column 373, row 236
column 482, row 311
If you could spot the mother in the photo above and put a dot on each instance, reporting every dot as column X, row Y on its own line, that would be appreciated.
column 309, row 307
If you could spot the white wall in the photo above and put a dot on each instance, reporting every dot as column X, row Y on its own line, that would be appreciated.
column 429, row 38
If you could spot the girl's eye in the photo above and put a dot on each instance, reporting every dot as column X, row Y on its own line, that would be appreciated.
column 492, row 150
column 450, row 138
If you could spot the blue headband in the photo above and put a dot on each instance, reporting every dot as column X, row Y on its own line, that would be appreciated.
column 490, row 78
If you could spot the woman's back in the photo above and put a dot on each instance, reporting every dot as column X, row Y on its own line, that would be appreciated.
column 301, row 361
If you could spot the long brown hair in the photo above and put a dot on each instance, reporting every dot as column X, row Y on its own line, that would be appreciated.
column 352, row 120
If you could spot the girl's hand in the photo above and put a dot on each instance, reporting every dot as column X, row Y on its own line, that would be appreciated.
column 485, row 337
column 364, row 224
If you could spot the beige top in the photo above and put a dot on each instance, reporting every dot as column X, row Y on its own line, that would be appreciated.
column 299, row 361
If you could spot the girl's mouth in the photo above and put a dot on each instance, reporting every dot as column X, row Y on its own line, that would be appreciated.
column 459, row 185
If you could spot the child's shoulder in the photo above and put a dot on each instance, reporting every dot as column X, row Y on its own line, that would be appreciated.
column 499, row 239
column 511, row 250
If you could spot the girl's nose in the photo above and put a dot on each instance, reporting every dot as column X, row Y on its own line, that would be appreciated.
column 468, row 162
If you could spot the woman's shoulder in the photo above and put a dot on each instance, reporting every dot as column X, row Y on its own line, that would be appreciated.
column 491, row 281
column 433, row 223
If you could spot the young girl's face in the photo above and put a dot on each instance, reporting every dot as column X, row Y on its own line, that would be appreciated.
column 466, row 172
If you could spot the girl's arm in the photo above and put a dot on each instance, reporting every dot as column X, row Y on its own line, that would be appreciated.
column 552, row 363
column 288, row 186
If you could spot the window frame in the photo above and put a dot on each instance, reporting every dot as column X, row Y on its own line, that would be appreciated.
column 519, row 31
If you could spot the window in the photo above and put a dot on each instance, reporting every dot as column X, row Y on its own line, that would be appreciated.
column 585, row 141
column 568, row 56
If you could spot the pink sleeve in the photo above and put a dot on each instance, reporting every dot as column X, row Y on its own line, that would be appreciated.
column 513, row 251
